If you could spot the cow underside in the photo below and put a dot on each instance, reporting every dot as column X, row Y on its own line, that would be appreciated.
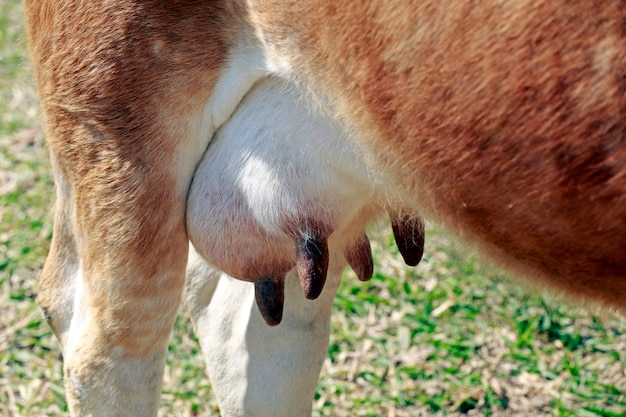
column 504, row 121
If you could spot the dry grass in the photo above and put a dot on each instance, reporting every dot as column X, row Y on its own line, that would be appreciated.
column 448, row 338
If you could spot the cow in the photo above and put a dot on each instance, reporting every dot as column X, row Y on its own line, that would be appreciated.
column 503, row 121
column 277, row 158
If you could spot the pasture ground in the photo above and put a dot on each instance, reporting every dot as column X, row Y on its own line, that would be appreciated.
column 448, row 338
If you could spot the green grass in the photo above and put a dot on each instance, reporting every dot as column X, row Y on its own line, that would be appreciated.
column 449, row 337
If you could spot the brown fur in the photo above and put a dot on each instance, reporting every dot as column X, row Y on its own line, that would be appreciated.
column 506, row 121
column 115, row 122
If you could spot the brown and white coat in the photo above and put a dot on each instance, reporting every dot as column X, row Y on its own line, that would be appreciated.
column 505, row 121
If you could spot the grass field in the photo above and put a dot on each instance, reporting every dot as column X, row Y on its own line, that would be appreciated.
column 448, row 338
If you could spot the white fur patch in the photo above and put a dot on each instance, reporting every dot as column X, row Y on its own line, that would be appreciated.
column 244, row 67
column 80, row 313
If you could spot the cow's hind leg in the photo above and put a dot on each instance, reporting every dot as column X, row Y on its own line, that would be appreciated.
column 112, row 282
column 125, row 106
column 258, row 370
column 112, row 316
